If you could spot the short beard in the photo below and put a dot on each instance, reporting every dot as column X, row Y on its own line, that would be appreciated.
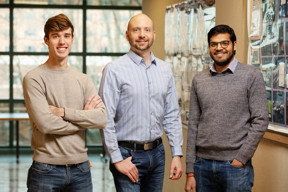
column 226, row 62
column 145, row 48
column 136, row 48
column 142, row 49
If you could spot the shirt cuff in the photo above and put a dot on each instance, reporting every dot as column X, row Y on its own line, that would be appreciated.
column 176, row 151
column 116, row 156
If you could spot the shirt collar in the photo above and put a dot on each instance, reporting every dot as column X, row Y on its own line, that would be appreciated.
column 139, row 60
column 231, row 67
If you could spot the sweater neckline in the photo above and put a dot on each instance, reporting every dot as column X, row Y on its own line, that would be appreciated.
column 45, row 68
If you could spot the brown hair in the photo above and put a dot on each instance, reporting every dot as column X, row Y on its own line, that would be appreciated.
column 58, row 23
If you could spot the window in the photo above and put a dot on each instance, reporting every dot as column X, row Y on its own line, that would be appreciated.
column 106, row 30
column 30, row 39
column 268, row 51
column 99, row 38
column 4, row 77
column 4, row 30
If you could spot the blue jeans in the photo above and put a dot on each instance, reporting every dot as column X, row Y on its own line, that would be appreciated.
column 44, row 177
column 150, row 165
column 220, row 176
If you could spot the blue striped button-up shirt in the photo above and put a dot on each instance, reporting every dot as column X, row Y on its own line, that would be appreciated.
column 140, row 100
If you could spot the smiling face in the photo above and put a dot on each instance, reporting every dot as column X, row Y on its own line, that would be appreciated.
column 223, row 52
column 140, row 33
column 59, row 43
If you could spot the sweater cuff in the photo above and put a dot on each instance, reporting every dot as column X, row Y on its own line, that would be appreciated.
column 242, row 158
column 189, row 167
column 69, row 114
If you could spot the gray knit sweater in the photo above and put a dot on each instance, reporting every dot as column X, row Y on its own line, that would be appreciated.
column 228, row 115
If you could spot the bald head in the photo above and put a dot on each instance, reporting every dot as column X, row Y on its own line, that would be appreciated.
column 140, row 33
column 138, row 19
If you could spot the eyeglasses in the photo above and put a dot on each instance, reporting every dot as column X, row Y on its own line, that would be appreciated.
column 223, row 44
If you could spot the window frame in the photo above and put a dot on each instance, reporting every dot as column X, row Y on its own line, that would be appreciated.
column 84, row 54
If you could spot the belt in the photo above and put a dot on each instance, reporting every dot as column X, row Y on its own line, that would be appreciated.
column 140, row 146
column 66, row 165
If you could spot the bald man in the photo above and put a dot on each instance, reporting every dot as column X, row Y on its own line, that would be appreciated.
column 139, row 92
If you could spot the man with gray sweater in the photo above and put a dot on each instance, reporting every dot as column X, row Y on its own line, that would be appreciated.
column 228, row 117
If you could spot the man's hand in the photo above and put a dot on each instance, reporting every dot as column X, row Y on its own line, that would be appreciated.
column 176, row 168
column 190, row 185
column 237, row 163
column 93, row 102
column 60, row 112
column 128, row 168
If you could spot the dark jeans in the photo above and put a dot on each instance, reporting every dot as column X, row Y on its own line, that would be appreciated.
column 44, row 177
column 220, row 176
column 150, row 165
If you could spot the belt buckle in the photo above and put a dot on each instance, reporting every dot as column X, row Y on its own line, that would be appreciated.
column 148, row 146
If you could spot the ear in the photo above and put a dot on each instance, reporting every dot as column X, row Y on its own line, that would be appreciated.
column 234, row 44
column 46, row 40
column 127, row 35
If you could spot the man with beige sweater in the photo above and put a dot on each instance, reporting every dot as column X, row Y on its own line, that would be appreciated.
column 62, row 103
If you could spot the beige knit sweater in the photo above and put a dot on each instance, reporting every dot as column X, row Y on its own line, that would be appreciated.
column 57, row 140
